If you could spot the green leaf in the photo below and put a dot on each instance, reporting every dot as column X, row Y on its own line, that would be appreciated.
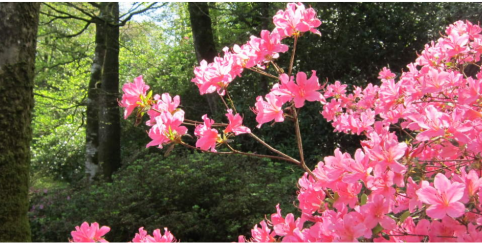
column 363, row 199
column 377, row 229
column 404, row 216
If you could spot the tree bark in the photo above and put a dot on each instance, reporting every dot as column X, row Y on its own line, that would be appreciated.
column 19, row 25
column 203, row 41
column 92, row 167
column 109, row 115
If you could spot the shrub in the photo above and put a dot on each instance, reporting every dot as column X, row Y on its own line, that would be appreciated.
column 200, row 197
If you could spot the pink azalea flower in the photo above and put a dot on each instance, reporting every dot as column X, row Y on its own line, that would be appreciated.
column 260, row 234
column 207, row 137
column 269, row 110
column 375, row 212
column 247, row 54
column 303, row 90
column 444, row 198
column 166, row 103
column 268, row 46
column 350, row 228
column 92, row 233
column 388, row 152
column 381, row 183
column 132, row 94
column 167, row 129
column 473, row 235
column 287, row 227
column 236, row 124
column 296, row 19
column 412, row 189
column 167, row 237
column 310, row 197
column 446, row 230
column 142, row 236
column 335, row 90
column 386, row 74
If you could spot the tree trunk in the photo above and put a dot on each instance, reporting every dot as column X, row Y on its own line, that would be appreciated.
column 17, row 62
column 92, row 167
column 109, row 115
column 203, row 41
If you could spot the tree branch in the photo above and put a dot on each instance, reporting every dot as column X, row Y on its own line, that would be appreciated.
column 80, row 32
column 150, row 7
column 81, row 10
column 67, row 15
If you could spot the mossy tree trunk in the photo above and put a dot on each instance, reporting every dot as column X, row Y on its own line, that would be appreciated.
column 109, row 115
column 18, row 24
column 203, row 41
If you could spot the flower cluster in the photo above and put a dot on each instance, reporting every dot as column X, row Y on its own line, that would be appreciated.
column 287, row 91
column 216, row 76
column 425, row 187
column 92, row 233
column 417, row 174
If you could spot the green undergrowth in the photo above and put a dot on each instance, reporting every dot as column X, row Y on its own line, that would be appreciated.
column 199, row 197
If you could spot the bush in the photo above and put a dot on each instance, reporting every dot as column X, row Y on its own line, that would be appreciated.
column 200, row 197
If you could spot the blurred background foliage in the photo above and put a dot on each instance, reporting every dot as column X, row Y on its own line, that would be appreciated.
column 202, row 197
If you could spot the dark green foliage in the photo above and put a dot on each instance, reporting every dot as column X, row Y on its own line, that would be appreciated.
column 199, row 197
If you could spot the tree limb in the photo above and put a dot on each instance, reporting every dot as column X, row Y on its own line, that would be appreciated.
column 150, row 7
column 81, row 10
column 67, row 15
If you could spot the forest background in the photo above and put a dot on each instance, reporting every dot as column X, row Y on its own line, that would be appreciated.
column 200, row 197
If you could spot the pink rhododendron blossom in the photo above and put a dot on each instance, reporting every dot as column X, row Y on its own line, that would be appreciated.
column 269, row 110
column 296, row 19
column 386, row 74
column 268, row 46
column 132, row 95
column 163, row 103
column 235, row 124
column 446, row 230
column 142, row 236
column 167, row 237
column 260, row 234
column 167, row 129
column 207, row 137
column 375, row 212
column 246, row 54
column 303, row 90
column 472, row 183
column 444, row 198
column 89, row 233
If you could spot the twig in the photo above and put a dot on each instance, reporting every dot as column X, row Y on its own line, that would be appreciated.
column 293, row 56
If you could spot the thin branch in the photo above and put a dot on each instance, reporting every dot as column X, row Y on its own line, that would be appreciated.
column 150, row 7
column 67, row 15
column 231, row 101
column 134, row 7
column 273, row 149
column 80, row 32
column 263, row 73
column 233, row 152
column 222, row 99
column 293, row 56
column 81, row 10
